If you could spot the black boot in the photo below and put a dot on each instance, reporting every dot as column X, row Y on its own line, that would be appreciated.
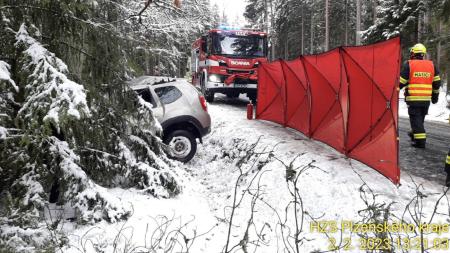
column 411, row 135
column 447, row 180
column 420, row 143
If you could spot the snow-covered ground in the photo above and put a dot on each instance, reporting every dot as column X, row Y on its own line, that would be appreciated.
column 335, row 191
column 437, row 112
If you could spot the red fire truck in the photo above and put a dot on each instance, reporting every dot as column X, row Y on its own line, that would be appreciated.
column 226, row 61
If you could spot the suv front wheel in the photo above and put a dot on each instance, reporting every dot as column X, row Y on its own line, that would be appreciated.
column 182, row 144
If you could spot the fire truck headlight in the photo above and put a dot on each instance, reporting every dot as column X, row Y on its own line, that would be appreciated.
column 214, row 78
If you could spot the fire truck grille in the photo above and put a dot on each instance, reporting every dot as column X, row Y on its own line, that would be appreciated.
column 242, row 81
column 235, row 71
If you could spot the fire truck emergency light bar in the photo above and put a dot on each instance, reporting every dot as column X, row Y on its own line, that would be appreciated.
column 227, row 27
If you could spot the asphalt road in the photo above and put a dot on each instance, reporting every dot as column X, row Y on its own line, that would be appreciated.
column 425, row 163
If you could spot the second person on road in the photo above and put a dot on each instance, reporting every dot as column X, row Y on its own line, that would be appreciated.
column 422, row 82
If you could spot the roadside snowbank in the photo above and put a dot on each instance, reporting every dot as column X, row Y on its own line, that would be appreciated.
column 437, row 112
column 153, row 224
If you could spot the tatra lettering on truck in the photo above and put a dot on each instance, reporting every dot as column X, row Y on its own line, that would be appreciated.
column 226, row 61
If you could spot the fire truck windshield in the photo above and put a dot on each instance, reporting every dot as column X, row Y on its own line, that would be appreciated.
column 239, row 46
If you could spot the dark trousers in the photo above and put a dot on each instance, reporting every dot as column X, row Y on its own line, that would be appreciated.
column 416, row 118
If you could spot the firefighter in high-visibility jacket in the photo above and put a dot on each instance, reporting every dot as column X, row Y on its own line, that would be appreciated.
column 422, row 82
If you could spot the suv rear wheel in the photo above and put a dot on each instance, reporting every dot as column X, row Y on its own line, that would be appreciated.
column 182, row 144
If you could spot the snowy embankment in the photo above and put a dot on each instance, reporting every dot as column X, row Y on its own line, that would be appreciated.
column 334, row 190
column 437, row 112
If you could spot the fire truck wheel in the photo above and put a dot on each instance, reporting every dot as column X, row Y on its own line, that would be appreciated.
column 209, row 95
column 232, row 95
column 252, row 98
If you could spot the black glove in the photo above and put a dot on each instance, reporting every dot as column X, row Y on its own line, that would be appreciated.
column 434, row 98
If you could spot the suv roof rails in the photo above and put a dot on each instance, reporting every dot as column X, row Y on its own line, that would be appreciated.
column 151, row 80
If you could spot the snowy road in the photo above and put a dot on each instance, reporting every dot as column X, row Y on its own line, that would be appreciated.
column 426, row 163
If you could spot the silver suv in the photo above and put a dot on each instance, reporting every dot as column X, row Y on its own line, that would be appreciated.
column 182, row 111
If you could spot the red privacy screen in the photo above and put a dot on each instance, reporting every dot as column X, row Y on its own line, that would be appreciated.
column 346, row 98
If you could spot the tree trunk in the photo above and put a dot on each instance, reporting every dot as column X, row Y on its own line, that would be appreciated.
column 272, row 18
column 303, row 32
column 439, row 46
column 374, row 10
column 346, row 23
column 179, row 68
column 327, row 28
column 358, row 22
column 426, row 22
column 448, row 83
column 419, row 27
column 266, row 17
column 311, row 46
column 286, row 46
column 147, row 63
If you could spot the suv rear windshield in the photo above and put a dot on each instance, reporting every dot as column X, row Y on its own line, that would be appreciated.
column 168, row 94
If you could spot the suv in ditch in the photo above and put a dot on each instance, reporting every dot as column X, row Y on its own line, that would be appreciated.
column 180, row 108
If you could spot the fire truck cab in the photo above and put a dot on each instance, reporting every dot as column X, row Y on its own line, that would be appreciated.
column 226, row 61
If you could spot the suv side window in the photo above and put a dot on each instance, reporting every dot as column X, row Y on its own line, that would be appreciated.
column 168, row 94
column 147, row 96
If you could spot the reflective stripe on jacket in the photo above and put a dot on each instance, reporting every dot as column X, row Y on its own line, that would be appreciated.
column 421, row 78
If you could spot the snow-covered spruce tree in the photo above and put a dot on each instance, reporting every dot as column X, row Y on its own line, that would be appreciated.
column 165, row 41
column 41, row 159
column 71, row 131
column 424, row 21
column 396, row 18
